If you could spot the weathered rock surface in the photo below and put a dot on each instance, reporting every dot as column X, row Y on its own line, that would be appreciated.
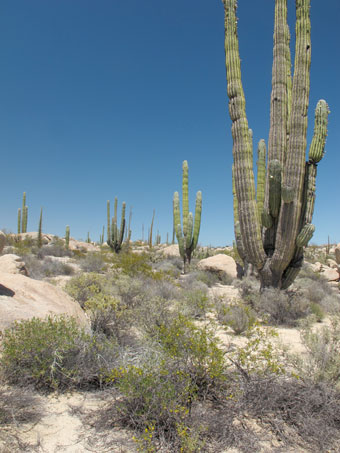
column 12, row 264
column 46, row 238
column 2, row 240
column 337, row 253
column 79, row 245
column 330, row 274
column 171, row 250
column 220, row 264
column 23, row 298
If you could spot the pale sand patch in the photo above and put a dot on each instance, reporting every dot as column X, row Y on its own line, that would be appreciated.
column 62, row 427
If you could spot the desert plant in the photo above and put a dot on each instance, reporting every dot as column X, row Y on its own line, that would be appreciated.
column 273, row 240
column 40, row 230
column 67, row 237
column 151, row 230
column 236, row 315
column 54, row 353
column 188, row 237
column 115, row 235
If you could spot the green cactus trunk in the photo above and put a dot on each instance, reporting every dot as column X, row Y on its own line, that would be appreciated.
column 188, row 237
column 40, row 230
column 151, row 230
column 67, row 237
column 272, row 232
column 19, row 221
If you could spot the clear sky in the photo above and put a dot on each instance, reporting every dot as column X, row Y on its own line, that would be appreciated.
column 106, row 98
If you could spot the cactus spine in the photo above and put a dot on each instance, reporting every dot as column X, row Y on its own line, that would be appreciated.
column 67, row 237
column 272, row 230
column 115, row 235
column 188, row 237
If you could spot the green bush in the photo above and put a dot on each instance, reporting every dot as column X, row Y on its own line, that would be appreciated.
column 84, row 286
column 156, row 395
column 236, row 315
column 54, row 353
column 322, row 361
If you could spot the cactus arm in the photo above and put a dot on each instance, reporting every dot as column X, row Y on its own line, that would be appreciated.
column 261, row 176
column 67, row 237
column 197, row 224
column 274, row 172
column 317, row 148
column 176, row 212
column 188, row 237
column 295, row 160
column 185, row 198
column 243, row 158
column 277, row 143
column 122, row 225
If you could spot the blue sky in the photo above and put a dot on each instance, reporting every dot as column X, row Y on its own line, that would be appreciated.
column 106, row 98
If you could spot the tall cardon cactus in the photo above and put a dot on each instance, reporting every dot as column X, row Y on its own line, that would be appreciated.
column 273, row 225
column 115, row 235
column 188, row 236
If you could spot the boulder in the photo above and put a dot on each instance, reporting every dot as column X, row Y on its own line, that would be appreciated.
column 337, row 253
column 331, row 263
column 24, row 298
column 330, row 274
column 317, row 267
column 220, row 264
column 79, row 245
column 171, row 250
column 12, row 264
column 2, row 241
column 46, row 238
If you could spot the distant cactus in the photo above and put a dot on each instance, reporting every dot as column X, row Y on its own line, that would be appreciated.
column 188, row 237
column 67, row 237
column 19, row 221
column 22, row 216
column 272, row 227
column 150, row 231
column 115, row 235
column 40, row 229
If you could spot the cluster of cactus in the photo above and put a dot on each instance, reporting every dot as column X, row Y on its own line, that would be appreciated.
column 23, row 216
column 188, row 236
column 115, row 235
column 273, row 225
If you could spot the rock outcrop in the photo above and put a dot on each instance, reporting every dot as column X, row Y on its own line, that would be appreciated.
column 220, row 264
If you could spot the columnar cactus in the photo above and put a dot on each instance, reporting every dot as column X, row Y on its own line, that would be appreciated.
column 22, row 216
column 67, row 237
column 150, row 231
column 274, row 225
column 115, row 235
column 40, row 229
column 188, row 237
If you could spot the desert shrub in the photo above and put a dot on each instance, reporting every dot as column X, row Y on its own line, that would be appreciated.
column 23, row 247
column 54, row 353
column 55, row 248
column 298, row 413
column 317, row 311
column 133, row 264
column 156, row 395
column 236, row 315
column 321, row 363
column 258, row 356
column 39, row 269
column 282, row 307
column 108, row 315
column 93, row 262
column 195, row 302
column 249, row 288
column 84, row 286
column 170, row 266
